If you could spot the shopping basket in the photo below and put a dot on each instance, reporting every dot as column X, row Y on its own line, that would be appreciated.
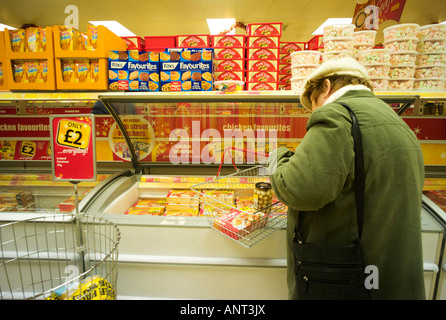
column 228, row 203
column 59, row 256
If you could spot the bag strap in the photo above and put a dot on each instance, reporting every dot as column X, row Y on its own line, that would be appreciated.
column 359, row 170
column 359, row 174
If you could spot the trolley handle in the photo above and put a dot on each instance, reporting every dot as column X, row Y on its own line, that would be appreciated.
column 232, row 159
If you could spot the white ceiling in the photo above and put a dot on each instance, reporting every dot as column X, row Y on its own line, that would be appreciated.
column 174, row 17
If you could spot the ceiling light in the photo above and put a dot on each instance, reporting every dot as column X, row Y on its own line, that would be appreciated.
column 331, row 21
column 115, row 27
column 216, row 26
column 5, row 26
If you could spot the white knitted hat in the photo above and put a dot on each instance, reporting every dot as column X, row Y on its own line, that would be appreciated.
column 345, row 65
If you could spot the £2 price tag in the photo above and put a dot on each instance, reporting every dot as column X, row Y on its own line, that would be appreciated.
column 73, row 147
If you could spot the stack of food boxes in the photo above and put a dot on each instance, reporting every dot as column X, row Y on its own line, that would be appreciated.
column 286, row 48
column 152, row 206
column 303, row 63
column 186, row 69
column 401, row 38
column 182, row 203
column 430, row 70
column 229, row 60
column 133, row 70
column 262, row 54
column 16, row 200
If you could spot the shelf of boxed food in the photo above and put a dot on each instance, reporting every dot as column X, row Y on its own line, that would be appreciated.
column 29, row 44
column 82, row 74
column 412, row 59
column 193, row 41
column 179, row 69
column 30, row 74
column 29, row 63
column 94, row 44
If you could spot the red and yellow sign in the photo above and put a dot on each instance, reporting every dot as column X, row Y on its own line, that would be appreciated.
column 73, row 148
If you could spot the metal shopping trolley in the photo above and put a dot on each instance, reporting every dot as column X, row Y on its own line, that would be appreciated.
column 228, row 202
column 59, row 256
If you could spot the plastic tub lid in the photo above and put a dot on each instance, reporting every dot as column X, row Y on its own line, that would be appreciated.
column 433, row 52
column 340, row 51
column 364, row 31
column 403, row 66
column 339, row 39
column 431, row 66
column 376, row 64
column 404, row 52
column 402, row 39
column 358, row 45
column 295, row 53
column 341, row 25
column 380, row 50
column 432, row 25
column 416, row 25
column 433, row 39
column 428, row 79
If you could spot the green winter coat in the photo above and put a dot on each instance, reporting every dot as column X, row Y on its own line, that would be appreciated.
column 317, row 180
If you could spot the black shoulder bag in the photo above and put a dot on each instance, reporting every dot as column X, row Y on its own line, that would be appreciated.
column 335, row 272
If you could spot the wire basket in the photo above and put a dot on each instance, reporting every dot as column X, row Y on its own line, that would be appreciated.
column 227, row 202
column 60, row 256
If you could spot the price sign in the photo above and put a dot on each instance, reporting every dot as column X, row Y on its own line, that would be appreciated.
column 73, row 149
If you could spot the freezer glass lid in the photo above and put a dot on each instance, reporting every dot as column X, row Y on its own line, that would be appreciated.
column 195, row 129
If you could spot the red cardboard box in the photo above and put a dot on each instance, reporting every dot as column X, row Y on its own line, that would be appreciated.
column 262, row 42
column 224, row 41
column 262, row 65
column 264, row 29
column 229, row 65
column 261, row 86
column 262, row 76
column 135, row 43
column 229, row 75
column 284, row 69
column 288, row 47
column 229, row 53
column 193, row 41
column 159, row 42
column 262, row 53
column 285, row 79
column 285, row 58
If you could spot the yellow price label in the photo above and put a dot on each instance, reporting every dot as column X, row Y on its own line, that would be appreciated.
column 28, row 149
column 73, row 134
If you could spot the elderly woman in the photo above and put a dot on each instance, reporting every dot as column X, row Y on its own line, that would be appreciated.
column 317, row 180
